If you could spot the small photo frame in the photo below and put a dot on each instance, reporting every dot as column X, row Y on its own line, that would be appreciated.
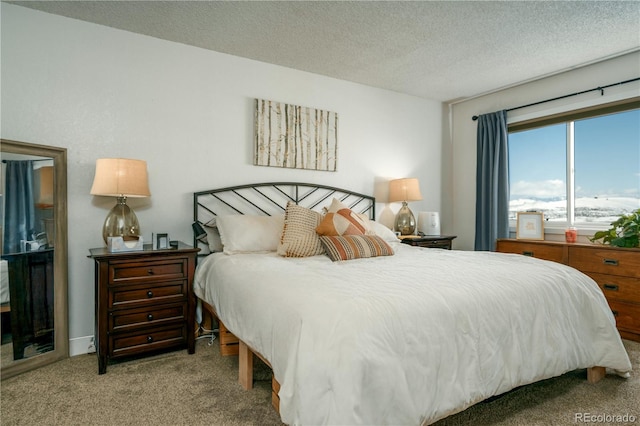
column 161, row 241
column 530, row 226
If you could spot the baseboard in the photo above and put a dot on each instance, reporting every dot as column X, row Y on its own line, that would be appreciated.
column 80, row 345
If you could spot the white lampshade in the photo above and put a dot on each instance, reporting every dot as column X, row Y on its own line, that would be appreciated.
column 407, row 189
column 116, row 177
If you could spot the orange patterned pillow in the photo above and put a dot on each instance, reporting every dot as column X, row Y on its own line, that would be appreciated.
column 342, row 222
column 350, row 247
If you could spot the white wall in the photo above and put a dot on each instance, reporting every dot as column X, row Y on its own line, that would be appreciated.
column 101, row 92
column 459, row 177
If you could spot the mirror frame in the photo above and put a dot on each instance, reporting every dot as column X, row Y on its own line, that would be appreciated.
column 60, row 260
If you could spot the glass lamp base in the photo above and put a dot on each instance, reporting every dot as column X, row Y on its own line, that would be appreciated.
column 121, row 222
column 405, row 221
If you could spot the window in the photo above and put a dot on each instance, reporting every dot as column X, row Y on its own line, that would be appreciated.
column 579, row 169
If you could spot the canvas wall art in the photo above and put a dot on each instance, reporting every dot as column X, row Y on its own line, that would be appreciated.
column 295, row 137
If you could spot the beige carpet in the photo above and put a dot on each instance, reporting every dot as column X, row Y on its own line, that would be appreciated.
column 202, row 389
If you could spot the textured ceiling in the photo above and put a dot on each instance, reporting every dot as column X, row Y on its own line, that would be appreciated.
column 438, row 50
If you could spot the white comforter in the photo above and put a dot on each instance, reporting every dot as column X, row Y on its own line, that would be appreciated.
column 410, row 338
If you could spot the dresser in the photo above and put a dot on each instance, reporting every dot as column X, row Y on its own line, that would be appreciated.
column 616, row 270
column 144, row 301
column 431, row 241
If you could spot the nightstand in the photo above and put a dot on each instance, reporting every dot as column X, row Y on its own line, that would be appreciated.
column 431, row 241
column 144, row 301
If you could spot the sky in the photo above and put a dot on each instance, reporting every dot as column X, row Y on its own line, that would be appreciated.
column 607, row 159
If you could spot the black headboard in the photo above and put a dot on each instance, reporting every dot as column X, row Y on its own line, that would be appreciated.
column 272, row 198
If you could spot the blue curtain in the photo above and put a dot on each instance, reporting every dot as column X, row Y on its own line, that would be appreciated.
column 19, row 214
column 492, row 180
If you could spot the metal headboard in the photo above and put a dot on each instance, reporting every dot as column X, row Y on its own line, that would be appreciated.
column 272, row 198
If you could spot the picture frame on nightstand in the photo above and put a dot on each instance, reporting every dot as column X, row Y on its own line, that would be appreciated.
column 160, row 241
column 530, row 226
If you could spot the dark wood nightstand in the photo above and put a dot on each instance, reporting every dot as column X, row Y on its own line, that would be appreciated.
column 144, row 301
column 431, row 241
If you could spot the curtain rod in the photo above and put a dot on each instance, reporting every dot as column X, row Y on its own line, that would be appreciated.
column 599, row 88
column 37, row 159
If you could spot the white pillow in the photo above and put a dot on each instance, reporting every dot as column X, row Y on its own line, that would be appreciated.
column 382, row 231
column 250, row 234
column 213, row 236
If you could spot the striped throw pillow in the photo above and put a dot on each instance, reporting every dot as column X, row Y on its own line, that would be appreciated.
column 348, row 247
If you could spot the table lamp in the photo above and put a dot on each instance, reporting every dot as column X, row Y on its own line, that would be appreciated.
column 407, row 189
column 121, row 178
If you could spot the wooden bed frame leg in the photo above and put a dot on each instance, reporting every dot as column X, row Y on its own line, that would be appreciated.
column 245, row 366
column 595, row 374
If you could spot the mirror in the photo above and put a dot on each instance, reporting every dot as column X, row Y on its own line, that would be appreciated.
column 33, row 271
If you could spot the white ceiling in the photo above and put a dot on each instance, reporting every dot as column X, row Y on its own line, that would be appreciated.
column 442, row 50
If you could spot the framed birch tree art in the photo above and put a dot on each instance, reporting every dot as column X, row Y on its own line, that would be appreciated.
column 295, row 137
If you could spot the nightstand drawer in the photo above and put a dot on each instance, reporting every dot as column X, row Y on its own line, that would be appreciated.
column 121, row 272
column 434, row 244
column 135, row 343
column 605, row 260
column 433, row 241
column 130, row 296
column 132, row 318
column 615, row 287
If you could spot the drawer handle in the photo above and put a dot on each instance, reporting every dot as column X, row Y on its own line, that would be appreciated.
column 150, row 317
column 613, row 262
column 149, row 339
column 150, row 271
column 149, row 294
column 611, row 287
column 528, row 253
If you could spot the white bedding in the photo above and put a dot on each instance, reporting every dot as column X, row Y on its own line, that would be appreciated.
column 409, row 338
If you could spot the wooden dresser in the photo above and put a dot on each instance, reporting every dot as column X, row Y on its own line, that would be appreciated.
column 616, row 270
column 144, row 301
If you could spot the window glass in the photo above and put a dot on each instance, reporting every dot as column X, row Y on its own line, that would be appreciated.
column 607, row 166
column 537, row 172
column 606, row 175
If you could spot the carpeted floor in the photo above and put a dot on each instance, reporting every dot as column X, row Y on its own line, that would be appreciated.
column 202, row 389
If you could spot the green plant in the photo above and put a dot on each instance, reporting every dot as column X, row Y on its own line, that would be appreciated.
column 624, row 232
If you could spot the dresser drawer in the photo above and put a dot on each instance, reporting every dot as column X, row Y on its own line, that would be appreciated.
column 627, row 315
column 544, row 251
column 131, row 296
column 605, row 260
column 127, row 272
column 153, row 316
column 616, row 287
column 126, row 344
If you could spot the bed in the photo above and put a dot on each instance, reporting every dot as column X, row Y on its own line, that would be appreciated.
column 395, row 334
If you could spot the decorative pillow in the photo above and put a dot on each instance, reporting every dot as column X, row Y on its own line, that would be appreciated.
column 341, row 220
column 249, row 233
column 213, row 236
column 299, row 238
column 382, row 231
column 348, row 247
